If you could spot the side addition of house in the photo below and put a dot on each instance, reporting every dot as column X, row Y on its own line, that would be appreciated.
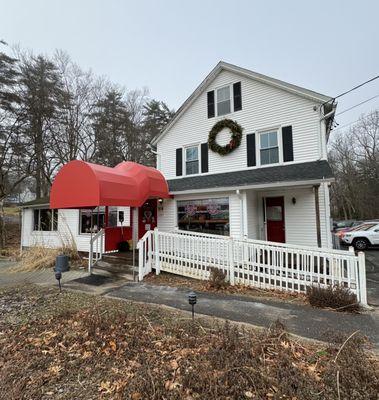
column 262, row 173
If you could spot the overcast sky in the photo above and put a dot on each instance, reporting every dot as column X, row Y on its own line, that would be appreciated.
column 170, row 46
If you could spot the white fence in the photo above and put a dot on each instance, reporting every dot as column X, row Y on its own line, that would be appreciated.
column 254, row 263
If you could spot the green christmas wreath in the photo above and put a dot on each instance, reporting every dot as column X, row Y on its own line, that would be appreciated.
column 235, row 139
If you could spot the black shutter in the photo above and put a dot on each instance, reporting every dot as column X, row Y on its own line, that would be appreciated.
column 211, row 104
column 179, row 162
column 251, row 157
column 287, row 143
column 204, row 157
column 237, row 97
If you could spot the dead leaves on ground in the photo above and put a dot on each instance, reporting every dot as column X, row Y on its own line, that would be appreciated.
column 114, row 350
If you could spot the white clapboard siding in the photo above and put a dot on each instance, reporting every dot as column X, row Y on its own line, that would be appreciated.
column 67, row 233
column 263, row 106
column 300, row 218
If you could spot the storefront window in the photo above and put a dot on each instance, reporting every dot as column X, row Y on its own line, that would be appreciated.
column 98, row 220
column 206, row 215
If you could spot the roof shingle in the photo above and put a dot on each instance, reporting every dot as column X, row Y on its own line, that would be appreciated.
column 314, row 170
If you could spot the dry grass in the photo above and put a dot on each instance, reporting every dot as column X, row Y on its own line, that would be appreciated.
column 75, row 346
column 38, row 257
column 13, row 211
column 217, row 279
column 173, row 280
column 335, row 297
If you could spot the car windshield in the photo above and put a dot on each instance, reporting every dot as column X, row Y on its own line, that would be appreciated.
column 364, row 227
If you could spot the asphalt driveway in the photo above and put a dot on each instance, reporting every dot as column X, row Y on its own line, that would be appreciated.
column 372, row 275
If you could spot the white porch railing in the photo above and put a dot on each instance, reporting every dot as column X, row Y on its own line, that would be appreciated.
column 146, row 248
column 254, row 263
column 96, row 249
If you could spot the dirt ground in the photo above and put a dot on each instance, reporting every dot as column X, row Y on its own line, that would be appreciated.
column 78, row 346
column 204, row 286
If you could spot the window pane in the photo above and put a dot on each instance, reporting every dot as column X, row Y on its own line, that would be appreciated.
column 45, row 220
column 223, row 94
column 36, row 220
column 206, row 215
column 274, row 213
column 192, row 153
column 265, row 157
column 273, row 139
column 264, row 141
column 112, row 216
column 55, row 220
column 223, row 107
column 192, row 167
column 274, row 155
column 98, row 220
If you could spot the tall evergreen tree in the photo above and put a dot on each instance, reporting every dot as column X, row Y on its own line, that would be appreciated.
column 41, row 93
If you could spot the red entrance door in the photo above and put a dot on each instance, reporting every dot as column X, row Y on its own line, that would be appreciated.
column 147, row 217
column 275, row 219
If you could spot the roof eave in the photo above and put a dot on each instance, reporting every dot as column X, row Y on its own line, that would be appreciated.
column 271, row 185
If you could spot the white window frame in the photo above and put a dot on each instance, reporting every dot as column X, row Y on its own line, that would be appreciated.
column 185, row 158
column 230, row 85
column 80, row 219
column 54, row 210
column 278, row 131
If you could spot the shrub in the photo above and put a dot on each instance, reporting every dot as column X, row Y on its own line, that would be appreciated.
column 217, row 279
column 337, row 297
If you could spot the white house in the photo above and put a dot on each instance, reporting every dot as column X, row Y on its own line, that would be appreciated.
column 273, row 183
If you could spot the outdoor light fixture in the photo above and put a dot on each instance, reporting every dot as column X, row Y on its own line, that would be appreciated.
column 58, row 277
column 293, row 200
column 160, row 201
column 192, row 300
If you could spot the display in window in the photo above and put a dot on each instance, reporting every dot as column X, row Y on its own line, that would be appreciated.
column 204, row 215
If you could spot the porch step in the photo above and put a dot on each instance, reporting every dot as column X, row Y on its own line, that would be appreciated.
column 118, row 264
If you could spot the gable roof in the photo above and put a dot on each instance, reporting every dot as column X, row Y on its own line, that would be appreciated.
column 222, row 65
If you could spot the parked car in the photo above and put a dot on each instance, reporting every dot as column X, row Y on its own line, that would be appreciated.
column 351, row 227
column 342, row 224
column 363, row 236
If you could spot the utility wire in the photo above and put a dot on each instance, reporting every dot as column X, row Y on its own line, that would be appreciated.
column 357, row 105
column 350, row 90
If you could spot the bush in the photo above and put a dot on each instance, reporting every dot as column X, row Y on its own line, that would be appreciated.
column 217, row 279
column 337, row 297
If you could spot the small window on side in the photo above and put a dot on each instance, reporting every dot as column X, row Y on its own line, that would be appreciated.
column 223, row 100
column 269, row 148
column 192, row 160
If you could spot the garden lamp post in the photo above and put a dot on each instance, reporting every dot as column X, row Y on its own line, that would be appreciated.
column 192, row 300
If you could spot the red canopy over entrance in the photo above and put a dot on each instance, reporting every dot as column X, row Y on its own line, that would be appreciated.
column 81, row 184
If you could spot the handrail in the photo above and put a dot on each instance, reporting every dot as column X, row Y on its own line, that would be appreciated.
column 96, row 240
column 265, row 242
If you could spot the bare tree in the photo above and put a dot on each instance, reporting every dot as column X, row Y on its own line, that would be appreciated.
column 354, row 157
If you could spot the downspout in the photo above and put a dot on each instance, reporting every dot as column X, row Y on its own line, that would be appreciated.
column 317, row 209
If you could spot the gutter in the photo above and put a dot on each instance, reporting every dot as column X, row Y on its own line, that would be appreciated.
column 273, row 185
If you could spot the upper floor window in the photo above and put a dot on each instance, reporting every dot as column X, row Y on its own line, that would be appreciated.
column 269, row 148
column 192, row 160
column 45, row 220
column 223, row 100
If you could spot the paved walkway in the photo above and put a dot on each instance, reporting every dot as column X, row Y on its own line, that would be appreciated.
column 301, row 320
column 8, row 277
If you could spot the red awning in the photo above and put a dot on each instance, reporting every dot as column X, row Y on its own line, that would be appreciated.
column 80, row 184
